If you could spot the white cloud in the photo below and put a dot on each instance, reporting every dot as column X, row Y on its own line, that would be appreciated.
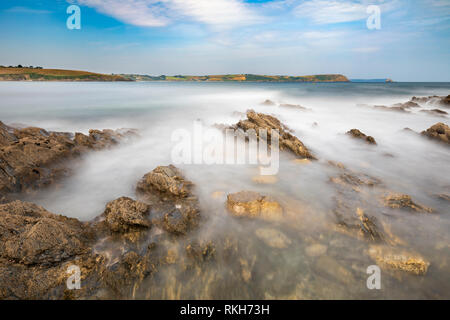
column 143, row 13
column 366, row 49
column 325, row 11
column 26, row 10
column 337, row 11
column 155, row 13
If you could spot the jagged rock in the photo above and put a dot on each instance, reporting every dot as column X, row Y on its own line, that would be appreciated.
column 253, row 205
column 358, row 134
column 31, row 235
column 399, row 260
column 167, row 180
column 125, row 214
column 403, row 201
column 174, row 207
column 31, row 158
column 446, row 101
column 436, row 100
column 358, row 221
column 287, row 141
column 273, row 238
column 439, row 132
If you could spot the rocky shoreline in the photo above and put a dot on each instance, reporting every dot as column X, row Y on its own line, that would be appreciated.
column 136, row 241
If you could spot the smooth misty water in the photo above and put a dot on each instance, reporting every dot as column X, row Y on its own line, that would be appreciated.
column 417, row 167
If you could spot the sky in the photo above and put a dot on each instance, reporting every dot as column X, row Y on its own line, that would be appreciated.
column 198, row 37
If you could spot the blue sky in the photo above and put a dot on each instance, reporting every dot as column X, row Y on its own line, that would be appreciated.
column 292, row 37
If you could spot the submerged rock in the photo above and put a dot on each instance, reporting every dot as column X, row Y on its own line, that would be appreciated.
column 265, row 179
column 404, row 201
column 273, row 238
column 125, row 214
column 293, row 106
column 439, row 132
column 359, row 135
column 287, row 141
column 316, row 250
column 399, row 260
column 253, row 205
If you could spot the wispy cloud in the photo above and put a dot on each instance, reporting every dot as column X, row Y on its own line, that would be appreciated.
column 27, row 10
column 337, row 11
column 143, row 13
column 156, row 13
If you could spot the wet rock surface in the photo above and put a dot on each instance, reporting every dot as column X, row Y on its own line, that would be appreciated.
column 251, row 204
column 355, row 133
column 404, row 201
column 173, row 205
column 399, row 260
column 125, row 214
column 31, row 158
column 287, row 141
column 439, row 132
column 114, row 252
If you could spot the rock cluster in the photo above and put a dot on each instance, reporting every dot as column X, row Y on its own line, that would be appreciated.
column 32, row 158
column 287, row 141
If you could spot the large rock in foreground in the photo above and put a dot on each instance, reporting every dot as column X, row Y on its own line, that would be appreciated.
column 32, row 158
column 253, row 205
column 287, row 141
column 439, row 132
column 31, row 235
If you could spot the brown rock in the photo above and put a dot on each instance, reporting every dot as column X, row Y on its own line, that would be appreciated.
column 287, row 141
column 404, row 201
column 31, row 235
column 167, row 180
column 253, row 205
column 125, row 214
column 439, row 132
column 31, row 158
column 358, row 134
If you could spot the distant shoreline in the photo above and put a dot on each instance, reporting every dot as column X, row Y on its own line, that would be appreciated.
column 57, row 75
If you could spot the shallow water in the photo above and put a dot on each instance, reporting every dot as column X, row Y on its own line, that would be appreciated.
column 415, row 166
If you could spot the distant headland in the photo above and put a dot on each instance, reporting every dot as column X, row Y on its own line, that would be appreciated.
column 21, row 73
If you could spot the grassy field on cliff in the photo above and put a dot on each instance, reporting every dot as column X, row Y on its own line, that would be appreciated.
column 33, row 74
